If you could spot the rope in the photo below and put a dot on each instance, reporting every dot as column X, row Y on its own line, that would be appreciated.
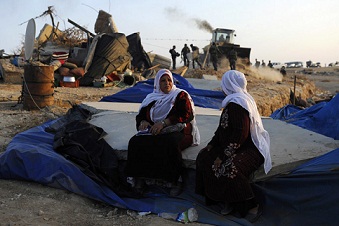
column 21, row 98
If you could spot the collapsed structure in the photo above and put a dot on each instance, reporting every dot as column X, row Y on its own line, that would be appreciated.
column 84, row 56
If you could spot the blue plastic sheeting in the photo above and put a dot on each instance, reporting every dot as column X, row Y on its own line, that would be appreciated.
column 30, row 156
column 321, row 118
column 307, row 196
column 137, row 93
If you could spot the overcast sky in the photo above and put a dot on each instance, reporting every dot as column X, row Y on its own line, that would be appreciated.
column 276, row 30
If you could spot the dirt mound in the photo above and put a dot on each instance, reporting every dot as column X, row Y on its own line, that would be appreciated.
column 269, row 87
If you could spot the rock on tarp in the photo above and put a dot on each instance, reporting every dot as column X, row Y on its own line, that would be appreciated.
column 108, row 53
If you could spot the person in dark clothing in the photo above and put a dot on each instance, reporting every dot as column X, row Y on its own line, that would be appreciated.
column 232, row 58
column 283, row 70
column 257, row 63
column 174, row 55
column 184, row 53
column 270, row 64
column 240, row 145
column 214, row 51
column 195, row 56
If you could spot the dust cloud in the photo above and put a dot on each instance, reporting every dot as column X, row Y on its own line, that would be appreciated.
column 176, row 14
column 266, row 73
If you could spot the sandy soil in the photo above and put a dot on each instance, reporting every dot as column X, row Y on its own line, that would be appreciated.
column 29, row 203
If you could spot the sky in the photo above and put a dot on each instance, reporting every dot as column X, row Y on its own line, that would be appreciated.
column 276, row 30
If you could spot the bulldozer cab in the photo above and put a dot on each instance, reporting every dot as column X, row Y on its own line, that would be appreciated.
column 224, row 39
column 223, row 36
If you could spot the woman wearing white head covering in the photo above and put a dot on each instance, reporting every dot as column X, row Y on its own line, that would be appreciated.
column 158, row 155
column 239, row 147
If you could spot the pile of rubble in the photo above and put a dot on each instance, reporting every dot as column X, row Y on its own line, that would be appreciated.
column 81, row 58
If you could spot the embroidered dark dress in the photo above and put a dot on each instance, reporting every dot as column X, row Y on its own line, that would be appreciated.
column 232, row 143
column 159, row 157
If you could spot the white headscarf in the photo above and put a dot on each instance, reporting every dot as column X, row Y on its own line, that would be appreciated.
column 165, row 102
column 234, row 85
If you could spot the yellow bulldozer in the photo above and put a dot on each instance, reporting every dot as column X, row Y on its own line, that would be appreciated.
column 224, row 39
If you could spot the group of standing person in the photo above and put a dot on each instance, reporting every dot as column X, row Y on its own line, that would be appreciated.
column 240, row 145
column 263, row 64
column 213, row 51
column 184, row 55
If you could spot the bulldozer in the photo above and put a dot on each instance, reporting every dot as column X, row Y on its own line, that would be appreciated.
column 224, row 39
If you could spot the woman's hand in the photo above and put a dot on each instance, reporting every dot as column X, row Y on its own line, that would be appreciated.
column 143, row 125
column 207, row 148
column 156, row 128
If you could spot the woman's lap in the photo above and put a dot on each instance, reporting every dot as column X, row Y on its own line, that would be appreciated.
column 224, row 188
column 156, row 157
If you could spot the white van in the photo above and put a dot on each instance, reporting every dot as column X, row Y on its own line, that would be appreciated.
column 278, row 65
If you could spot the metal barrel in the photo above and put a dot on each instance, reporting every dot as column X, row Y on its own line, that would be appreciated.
column 38, row 86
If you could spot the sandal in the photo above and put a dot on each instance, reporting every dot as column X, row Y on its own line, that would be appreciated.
column 253, row 217
column 227, row 209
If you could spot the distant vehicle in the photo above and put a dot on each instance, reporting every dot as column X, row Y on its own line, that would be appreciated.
column 336, row 64
column 312, row 64
column 294, row 64
column 318, row 64
column 278, row 65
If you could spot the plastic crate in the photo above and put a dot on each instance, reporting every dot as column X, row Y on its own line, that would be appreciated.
column 70, row 84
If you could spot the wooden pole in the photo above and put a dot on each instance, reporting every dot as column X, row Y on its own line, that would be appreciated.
column 295, row 82
column 184, row 71
column 207, row 52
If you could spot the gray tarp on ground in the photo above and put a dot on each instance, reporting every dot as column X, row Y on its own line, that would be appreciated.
column 108, row 53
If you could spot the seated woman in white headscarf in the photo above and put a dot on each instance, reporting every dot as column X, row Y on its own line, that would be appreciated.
column 240, row 145
column 168, row 115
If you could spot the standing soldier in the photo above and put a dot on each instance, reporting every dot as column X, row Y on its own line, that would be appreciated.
column 270, row 64
column 257, row 63
column 174, row 55
column 214, row 51
column 184, row 53
column 195, row 55
column 232, row 58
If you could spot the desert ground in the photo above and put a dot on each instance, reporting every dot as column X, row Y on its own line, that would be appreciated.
column 29, row 203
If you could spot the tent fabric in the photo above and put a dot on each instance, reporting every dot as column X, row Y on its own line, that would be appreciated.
column 135, row 94
column 140, row 59
column 321, row 118
column 110, row 54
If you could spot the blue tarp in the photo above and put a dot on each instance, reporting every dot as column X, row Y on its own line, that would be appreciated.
column 321, row 118
column 30, row 156
column 306, row 196
column 135, row 94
